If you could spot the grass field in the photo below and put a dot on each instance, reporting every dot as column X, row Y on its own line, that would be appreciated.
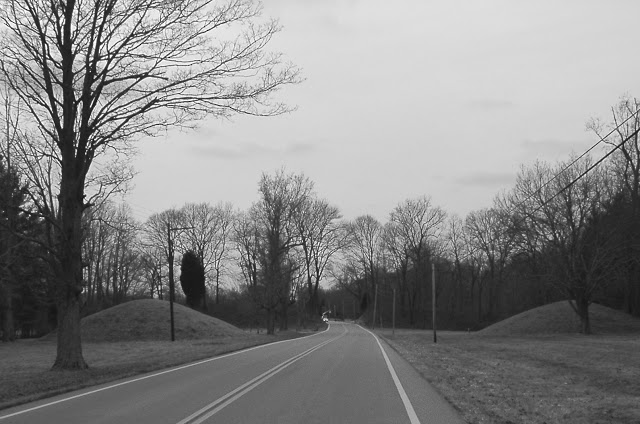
column 536, row 379
column 498, row 375
column 149, row 320
column 25, row 366
column 125, row 340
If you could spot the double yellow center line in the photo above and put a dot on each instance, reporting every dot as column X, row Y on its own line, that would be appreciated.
column 217, row 405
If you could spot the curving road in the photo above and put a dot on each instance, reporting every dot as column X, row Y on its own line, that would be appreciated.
column 342, row 375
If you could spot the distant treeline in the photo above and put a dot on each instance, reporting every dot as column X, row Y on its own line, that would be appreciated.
column 569, row 230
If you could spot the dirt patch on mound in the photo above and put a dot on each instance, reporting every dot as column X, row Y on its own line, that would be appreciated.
column 559, row 318
column 149, row 320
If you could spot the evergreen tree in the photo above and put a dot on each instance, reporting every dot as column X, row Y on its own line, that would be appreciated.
column 12, row 198
column 192, row 280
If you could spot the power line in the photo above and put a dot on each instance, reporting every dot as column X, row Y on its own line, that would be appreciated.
column 573, row 162
column 575, row 180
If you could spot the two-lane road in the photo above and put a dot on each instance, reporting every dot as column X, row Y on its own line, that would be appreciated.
column 342, row 375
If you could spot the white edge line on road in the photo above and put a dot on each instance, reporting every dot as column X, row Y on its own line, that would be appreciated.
column 403, row 395
column 215, row 358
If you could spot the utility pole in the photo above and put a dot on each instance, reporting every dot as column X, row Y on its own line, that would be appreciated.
column 170, row 258
column 433, row 300
column 375, row 306
column 393, row 314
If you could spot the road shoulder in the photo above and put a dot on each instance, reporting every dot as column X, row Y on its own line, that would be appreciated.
column 430, row 406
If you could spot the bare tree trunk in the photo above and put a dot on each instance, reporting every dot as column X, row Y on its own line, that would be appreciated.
column 302, row 310
column 159, row 287
column 217, row 287
column 69, row 273
column 204, row 302
column 631, row 303
column 69, row 352
column 471, row 294
column 271, row 322
column 412, row 308
column 116, row 273
column 99, row 288
column 6, row 306
column 313, row 302
column 479, row 303
column 90, row 284
column 581, row 307
column 284, row 321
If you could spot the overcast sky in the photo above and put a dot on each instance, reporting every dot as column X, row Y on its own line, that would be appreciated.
column 402, row 98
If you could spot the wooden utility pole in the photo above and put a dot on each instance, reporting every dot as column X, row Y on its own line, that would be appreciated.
column 433, row 300
column 375, row 305
column 171, row 283
column 393, row 314
column 170, row 260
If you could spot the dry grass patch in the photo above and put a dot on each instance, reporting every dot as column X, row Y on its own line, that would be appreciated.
column 149, row 319
column 125, row 340
column 558, row 379
column 25, row 367
column 559, row 318
column 501, row 375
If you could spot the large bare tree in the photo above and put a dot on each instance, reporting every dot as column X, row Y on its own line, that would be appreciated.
column 95, row 75
column 246, row 239
column 208, row 234
column 321, row 236
column 282, row 198
column 417, row 225
column 490, row 232
column 623, row 130
column 563, row 206
column 111, row 255
column 9, row 209
column 457, row 253
column 365, row 250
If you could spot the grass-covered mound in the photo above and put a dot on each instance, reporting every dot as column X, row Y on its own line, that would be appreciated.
column 148, row 320
column 559, row 318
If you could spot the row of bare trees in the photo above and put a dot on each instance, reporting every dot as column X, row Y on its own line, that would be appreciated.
column 122, row 257
column 555, row 235
column 277, row 252
column 396, row 254
column 91, row 78
column 85, row 80
column 565, row 231
column 200, row 228
column 112, row 261
column 285, row 243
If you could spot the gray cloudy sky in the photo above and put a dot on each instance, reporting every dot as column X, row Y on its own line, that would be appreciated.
column 409, row 97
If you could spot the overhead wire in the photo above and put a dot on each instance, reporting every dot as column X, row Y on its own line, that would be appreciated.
column 573, row 162
column 602, row 139
column 590, row 168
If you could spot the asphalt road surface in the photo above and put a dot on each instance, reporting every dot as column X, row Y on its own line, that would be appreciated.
column 342, row 375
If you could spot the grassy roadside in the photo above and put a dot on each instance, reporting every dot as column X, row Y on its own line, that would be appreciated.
column 542, row 379
column 25, row 367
